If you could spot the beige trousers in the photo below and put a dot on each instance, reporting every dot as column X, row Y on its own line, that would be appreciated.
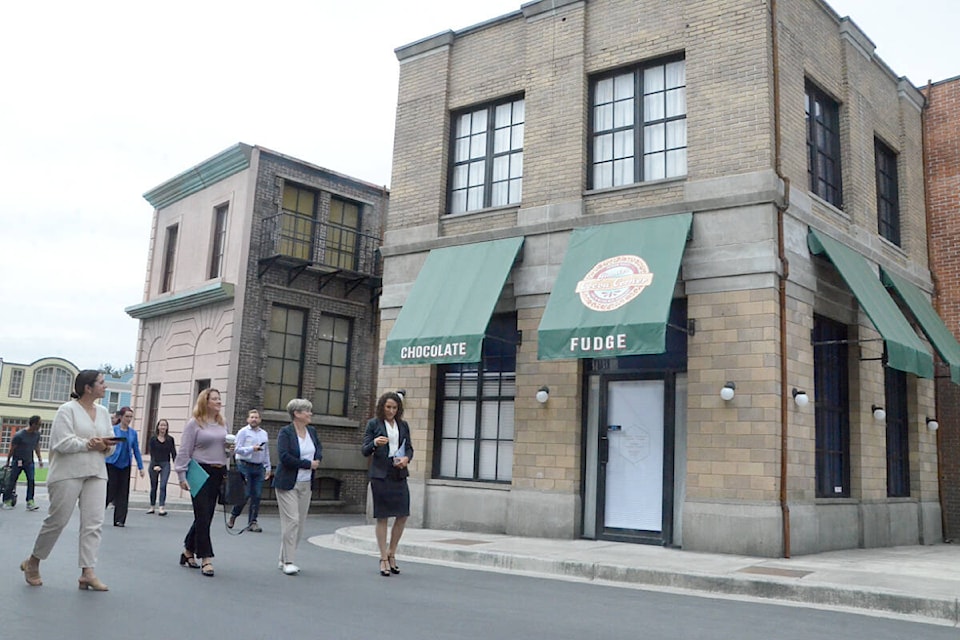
column 293, row 506
column 91, row 494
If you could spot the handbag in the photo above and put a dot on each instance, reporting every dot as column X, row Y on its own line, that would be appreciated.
column 232, row 489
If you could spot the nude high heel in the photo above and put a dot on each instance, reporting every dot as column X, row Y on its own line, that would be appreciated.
column 93, row 584
column 32, row 576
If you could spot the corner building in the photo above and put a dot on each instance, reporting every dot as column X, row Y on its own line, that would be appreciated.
column 602, row 213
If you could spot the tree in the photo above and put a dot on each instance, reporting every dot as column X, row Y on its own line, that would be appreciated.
column 109, row 369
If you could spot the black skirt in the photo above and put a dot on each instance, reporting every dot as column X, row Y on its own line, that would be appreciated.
column 391, row 497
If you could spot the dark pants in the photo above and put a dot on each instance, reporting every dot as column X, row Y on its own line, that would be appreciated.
column 197, row 540
column 253, row 474
column 27, row 468
column 118, row 492
column 159, row 479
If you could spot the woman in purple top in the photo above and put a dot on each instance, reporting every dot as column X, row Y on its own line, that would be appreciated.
column 204, row 440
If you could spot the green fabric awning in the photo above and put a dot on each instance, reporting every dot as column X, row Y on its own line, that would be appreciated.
column 905, row 350
column 612, row 296
column 936, row 331
column 447, row 312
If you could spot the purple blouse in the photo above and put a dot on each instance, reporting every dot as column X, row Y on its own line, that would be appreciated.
column 206, row 445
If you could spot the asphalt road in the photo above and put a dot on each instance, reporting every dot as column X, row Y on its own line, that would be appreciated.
column 340, row 596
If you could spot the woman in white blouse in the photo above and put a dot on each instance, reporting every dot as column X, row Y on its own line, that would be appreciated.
column 80, row 440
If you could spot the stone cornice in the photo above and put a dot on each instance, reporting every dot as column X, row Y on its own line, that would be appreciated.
column 210, row 171
column 207, row 294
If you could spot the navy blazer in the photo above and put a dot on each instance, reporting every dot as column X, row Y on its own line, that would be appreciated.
column 288, row 450
column 382, row 463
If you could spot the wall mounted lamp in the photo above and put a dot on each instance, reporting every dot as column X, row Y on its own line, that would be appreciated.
column 728, row 391
column 800, row 397
column 401, row 393
column 543, row 394
column 878, row 413
column 932, row 424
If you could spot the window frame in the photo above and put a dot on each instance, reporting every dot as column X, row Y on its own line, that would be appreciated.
column 169, row 257
column 218, row 248
column 16, row 382
column 825, row 179
column 336, row 232
column 887, row 164
column 897, row 433
column 303, row 234
column 490, row 156
column 319, row 407
column 499, row 358
column 281, row 404
column 637, row 126
column 832, row 408
column 49, row 388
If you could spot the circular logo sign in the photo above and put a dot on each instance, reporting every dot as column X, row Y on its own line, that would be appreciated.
column 614, row 282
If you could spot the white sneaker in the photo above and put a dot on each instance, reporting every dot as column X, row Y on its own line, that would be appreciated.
column 291, row 569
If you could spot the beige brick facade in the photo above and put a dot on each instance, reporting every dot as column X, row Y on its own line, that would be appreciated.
column 728, row 454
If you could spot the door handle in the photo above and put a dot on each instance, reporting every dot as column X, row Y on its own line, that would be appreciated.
column 604, row 449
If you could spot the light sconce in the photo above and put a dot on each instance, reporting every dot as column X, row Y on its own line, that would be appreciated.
column 402, row 393
column 728, row 391
column 878, row 413
column 543, row 394
column 932, row 424
column 800, row 398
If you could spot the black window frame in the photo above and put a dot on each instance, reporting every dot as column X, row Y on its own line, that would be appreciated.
column 498, row 360
column 490, row 157
column 218, row 249
column 888, row 192
column 638, row 125
column 832, row 408
column 897, row 433
column 284, row 388
column 323, row 407
column 824, row 155
column 299, row 240
column 342, row 242
column 169, row 258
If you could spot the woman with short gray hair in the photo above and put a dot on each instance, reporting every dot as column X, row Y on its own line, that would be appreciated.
column 300, row 452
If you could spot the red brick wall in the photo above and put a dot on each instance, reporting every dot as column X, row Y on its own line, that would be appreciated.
column 942, row 136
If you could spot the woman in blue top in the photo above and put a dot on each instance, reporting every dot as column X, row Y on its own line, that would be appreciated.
column 118, row 466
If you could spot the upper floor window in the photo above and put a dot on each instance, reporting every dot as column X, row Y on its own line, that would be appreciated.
column 487, row 168
column 333, row 362
column 169, row 259
column 341, row 245
column 296, row 223
column 51, row 384
column 285, row 350
column 639, row 125
column 16, row 383
column 823, row 145
column 888, row 192
column 219, row 240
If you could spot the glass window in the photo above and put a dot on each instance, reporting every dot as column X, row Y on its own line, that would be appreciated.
column 888, row 192
column 169, row 259
column 219, row 240
column 285, row 346
column 487, row 168
column 341, row 244
column 333, row 365
column 639, row 125
column 16, row 383
column 898, row 448
column 832, row 412
column 113, row 401
column 297, row 221
column 476, row 427
column 52, row 384
column 823, row 145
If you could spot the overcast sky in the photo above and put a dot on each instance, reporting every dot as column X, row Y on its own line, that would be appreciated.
column 101, row 101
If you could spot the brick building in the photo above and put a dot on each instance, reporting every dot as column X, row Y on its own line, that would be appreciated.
column 942, row 140
column 261, row 282
column 602, row 213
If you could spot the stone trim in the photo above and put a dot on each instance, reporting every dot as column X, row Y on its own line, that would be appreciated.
column 205, row 295
column 209, row 172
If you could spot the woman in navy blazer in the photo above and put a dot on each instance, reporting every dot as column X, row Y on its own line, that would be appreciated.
column 300, row 452
column 387, row 439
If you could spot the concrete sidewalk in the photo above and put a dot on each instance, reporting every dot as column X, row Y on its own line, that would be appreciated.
column 921, row 581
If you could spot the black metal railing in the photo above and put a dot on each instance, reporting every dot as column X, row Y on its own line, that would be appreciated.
column 302, row 239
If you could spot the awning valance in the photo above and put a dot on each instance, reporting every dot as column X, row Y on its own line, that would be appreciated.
column 936, row 331
column 905, row 350
column 612, row 295
column 447, row 312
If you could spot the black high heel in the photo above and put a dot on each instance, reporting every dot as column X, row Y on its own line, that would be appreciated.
column 188, row 561
column 392, row 563
column 384, row 572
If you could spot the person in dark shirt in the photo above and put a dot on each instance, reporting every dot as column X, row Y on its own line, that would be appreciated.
column 24, row 444
column 163, row 451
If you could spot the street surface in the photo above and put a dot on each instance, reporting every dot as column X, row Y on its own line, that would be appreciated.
column 340, row 596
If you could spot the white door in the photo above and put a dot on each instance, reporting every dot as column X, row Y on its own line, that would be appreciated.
column 633, row 496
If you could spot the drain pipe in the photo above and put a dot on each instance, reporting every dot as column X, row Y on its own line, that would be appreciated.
column 782, row 206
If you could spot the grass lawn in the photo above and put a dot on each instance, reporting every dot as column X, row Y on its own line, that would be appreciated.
column 39, row 475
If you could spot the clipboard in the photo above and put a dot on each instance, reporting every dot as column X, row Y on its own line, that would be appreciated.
column 196, row 477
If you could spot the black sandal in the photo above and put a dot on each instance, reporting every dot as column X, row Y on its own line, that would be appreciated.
column 392, row 563
column 385, row 572
column 188, row 561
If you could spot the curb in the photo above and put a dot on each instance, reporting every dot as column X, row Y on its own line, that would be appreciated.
column 944, row 610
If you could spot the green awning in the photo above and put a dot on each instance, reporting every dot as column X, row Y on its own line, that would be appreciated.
column 447, row 312
column 937, row 332
column 612, row 296
column 905, row 350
